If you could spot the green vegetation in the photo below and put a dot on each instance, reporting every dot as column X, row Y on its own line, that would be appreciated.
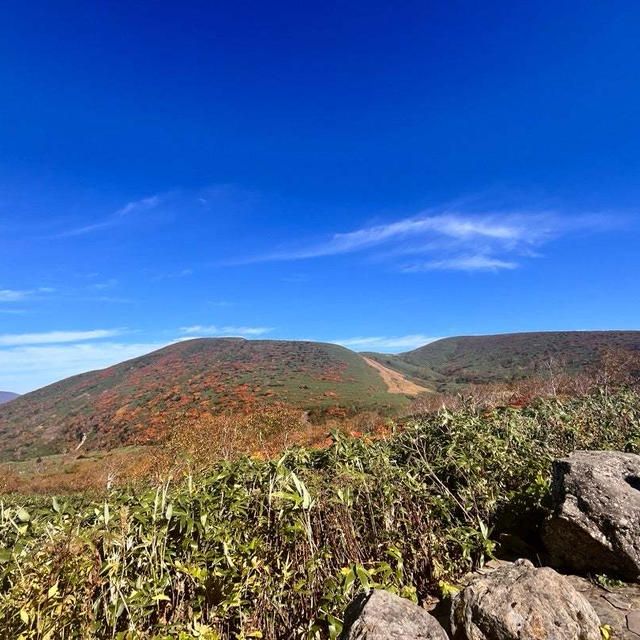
column 452, row 363
column 252, row 548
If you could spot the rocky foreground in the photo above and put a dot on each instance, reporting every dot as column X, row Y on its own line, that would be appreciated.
column 594, row 529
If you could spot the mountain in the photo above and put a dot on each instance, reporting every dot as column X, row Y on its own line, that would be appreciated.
column 132, row 402
column 452, row 363
column 7, row 396
column 135, row 401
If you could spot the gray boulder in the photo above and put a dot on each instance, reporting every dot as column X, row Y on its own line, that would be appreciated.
column 595, row 526
column 520, row 602
column 380, row 615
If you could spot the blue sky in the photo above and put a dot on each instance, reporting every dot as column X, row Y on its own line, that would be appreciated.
column 374, row 174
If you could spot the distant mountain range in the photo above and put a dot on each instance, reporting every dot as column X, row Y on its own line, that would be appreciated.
column 133, row 402
column 7, row 396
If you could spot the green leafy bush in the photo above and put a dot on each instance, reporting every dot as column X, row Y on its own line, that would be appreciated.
column 275, row 549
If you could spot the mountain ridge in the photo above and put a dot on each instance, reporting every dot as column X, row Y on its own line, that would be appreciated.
column 136, row 401
column 451, row 363
column 7, row 396
column 133, row 402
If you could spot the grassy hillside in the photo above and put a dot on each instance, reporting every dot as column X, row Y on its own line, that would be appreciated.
column 451, row 363
column 275, row 549
column 132, row 402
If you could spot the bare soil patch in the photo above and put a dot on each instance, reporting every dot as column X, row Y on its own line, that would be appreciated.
column 396, row 382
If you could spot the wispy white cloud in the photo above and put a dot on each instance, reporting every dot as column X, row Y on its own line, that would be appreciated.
column 452, row 240
column 106, row 284
column 28, row 367
column 19, row 295
column 108, row 299
column 462, row 263
column 374, row 343
column 31, row 360
column 172, row 275
column 506, row 229
column 13, row 295
column 116, row 218
column 56, row 337
column 213, row 330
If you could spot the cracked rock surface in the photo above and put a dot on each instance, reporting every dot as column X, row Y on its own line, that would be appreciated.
column 619, row 607
column 521, row 602
column 616, row 606
column 595, row 526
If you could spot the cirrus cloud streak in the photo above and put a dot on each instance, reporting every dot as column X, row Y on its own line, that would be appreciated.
column 213, row 330
column 28, row 367
column 451, row 240
column 384, row 343
column 55, row 337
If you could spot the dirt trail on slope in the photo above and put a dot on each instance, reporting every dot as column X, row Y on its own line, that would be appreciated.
column 396, row 382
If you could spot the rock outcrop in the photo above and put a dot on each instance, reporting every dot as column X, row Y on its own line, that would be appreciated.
column 380, row 615
column 520, row 602
column 595, row 526
column 617, row 605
